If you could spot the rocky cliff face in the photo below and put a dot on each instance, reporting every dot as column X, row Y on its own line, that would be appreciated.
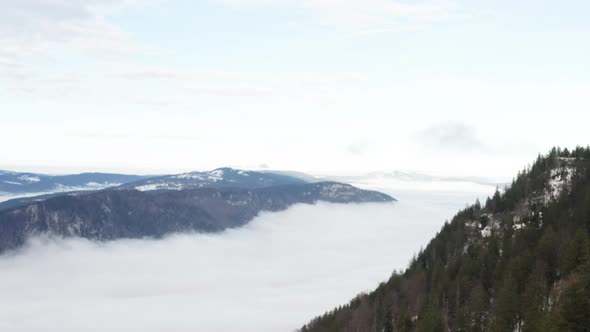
column 115, row 213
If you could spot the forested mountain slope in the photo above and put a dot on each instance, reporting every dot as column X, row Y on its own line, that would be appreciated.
column 520, row 262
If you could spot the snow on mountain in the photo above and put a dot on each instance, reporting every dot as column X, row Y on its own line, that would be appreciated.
column 29, row 178
column 217, row 178
column 16, row 184
column 559, row 179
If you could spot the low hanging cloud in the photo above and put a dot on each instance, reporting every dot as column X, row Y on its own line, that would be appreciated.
column 274, row 274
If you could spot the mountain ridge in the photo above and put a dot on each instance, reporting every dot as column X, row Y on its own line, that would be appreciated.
column 54, row 185
column 128, row 213
column 216, row 178
column 25, row 182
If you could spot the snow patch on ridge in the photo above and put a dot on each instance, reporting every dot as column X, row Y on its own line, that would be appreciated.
column 559, row 179
column 216, row 175
column 160, row 186
column 29, row 178
column 189, row 176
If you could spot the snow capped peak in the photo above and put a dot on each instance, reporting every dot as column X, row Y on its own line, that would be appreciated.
column 216, row 175
column 230, row 170
column 191, row 175
column 219, row 177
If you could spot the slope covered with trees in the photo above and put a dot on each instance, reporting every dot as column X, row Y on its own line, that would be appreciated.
column 519, row 262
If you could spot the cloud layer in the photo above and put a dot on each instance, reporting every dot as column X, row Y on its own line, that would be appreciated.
column 271, row 275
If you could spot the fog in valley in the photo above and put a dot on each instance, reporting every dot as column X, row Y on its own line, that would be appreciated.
column 305, row 260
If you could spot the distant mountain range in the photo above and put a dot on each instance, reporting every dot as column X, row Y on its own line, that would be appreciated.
column 34, row 187
column 198, row 201
column 415, row 176
column 23, row 183
column 401, row 180
column 20, row 184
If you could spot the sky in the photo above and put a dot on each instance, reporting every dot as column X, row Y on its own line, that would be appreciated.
column 447, row 87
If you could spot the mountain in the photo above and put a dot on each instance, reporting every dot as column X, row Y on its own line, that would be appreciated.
column 218, row 178
column 519, row 262
column 23, row 183
column 128, row 213
column 34, row 187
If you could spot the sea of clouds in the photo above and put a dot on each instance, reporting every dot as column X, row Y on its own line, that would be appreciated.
column 274, row 274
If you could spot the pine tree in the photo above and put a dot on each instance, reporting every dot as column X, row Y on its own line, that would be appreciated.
column 478, row 309
column 576, row 252
column 575, row 308
column 534, row 299
column 506, row 307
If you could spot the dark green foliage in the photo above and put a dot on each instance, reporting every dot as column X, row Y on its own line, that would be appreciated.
column 576, row 252
column 533, row 299
column 529, row 271
column 505, row 313
column 574, row 314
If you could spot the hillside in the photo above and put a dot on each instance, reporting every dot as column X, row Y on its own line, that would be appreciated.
column 519, row 262
column 117, row 213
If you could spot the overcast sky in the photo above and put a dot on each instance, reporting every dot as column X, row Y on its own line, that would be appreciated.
column 451, row 87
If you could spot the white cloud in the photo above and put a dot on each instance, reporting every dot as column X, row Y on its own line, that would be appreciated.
column 357, row 148
column 274, row 274
column 230, row 90
column 452, row 136
column 41, row 29
column 369, row 15
column 9, row 68
column 191, row 81
column 174, row 73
